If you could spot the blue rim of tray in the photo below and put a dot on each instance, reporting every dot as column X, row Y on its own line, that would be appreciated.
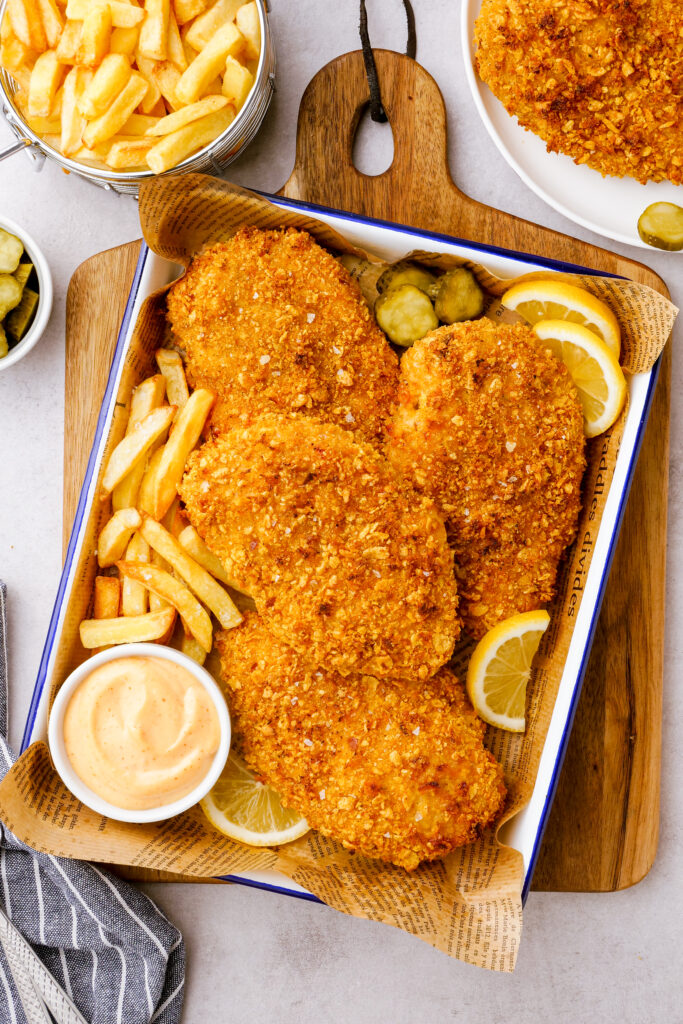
column 524, row 257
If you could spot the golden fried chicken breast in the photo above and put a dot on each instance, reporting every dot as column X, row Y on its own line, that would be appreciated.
column 346, row 562
column 490, row 426
column 599, row 80
column 394, row 770
column 272, row 322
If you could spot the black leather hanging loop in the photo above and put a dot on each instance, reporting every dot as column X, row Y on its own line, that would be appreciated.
column 377, row 112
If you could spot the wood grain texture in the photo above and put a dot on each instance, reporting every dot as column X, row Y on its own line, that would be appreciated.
column 602, row 833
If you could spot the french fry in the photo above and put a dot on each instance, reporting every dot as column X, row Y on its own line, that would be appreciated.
column 135, row 446
column 46, row 125
column 147, row 396
column 190, row 540
column 190, row 52
column 169, row 361
column 95, row 36
column 237, row 82
column 171, row 123
column 194, row 617
column 198, row 579
column 167, row 76
column 53, row 141
column 175, row 520
column 46, row 78
column 182, row 440
column 157, row 603
column 175, row 51
column 148, row 483
column 126, row 629
column 226, row 42
column 186, row 10
column 116, row 534
column 27, row 24
column 92, row 156
column 124, row 40
column 173, row 148
column 247, row 21
column 123, row 15
column 73, row 122
column 124, row 153
column 13, row 53
column 106, row 600
column 108, row 81
column 151, row 99
column 53, row 21
column 114, row 118
column 189, row 646
column 107, row 597
column 138, row 124
column 154, row 31
column 134, row 597
column 70, row 40
column 56, row 109
column 22, row 76
column 203, row 28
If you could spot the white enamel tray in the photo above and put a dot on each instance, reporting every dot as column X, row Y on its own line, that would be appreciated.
column 611, row 206
column 391, row 242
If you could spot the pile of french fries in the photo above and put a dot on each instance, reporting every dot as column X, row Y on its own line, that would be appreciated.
column 168, row 583
column 111, row 83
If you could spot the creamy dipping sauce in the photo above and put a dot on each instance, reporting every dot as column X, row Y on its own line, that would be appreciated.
column 141, row 732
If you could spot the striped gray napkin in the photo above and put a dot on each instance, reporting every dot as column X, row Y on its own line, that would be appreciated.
column 111, row 955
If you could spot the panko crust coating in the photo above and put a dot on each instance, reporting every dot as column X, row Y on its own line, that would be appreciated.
column 489, row 425
column 346, row 562
column 273, row 323
column 600, row 80
column 394, row 770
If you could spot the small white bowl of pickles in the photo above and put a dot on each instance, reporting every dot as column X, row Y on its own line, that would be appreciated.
column 25, row 293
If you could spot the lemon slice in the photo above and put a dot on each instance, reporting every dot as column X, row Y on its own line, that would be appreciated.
column 500, row 668
column 598, row 377
column 250, row 811
column 555, row 300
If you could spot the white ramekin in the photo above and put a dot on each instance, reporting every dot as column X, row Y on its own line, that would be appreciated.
column 44, row 309
column 79, row 788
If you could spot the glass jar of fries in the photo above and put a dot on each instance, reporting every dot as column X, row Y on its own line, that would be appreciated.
column 117, row 92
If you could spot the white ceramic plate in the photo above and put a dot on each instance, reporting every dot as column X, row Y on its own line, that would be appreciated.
column 391, row 242
column 610, row 206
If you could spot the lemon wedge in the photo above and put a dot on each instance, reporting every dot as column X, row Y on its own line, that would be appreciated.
column 594, row 369
column 250, row 811
column 556, row 300
column 500, row 667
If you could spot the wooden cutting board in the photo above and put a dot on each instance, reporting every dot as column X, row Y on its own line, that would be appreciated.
column 602, row 833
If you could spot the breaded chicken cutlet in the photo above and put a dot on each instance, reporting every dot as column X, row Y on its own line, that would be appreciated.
column 489, row 425
column 273, row 323
column 394, row 770
column 599, row 80
column 346, row 562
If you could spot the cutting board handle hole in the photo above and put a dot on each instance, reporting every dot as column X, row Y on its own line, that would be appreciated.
column 373, row 146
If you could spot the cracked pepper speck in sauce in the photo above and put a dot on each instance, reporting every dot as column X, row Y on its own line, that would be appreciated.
column 141, row 732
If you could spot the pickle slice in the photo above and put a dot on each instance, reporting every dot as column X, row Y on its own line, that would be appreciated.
column 19, row 320
column 661, row 225
column 10, row 294
column 459, row 297
column 11, row 250
column 4, row 347
column 22, row 273
column 407, row 273
column 405, row 314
